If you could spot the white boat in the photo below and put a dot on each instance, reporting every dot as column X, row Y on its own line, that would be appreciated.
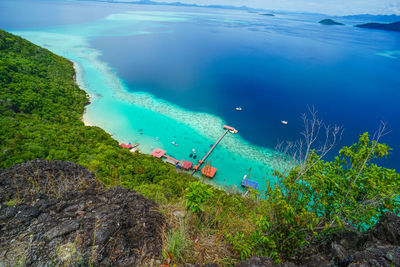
column 284, row 122
column 194, row 151
column 239, row 108
column 174, row 143
column 233, row 131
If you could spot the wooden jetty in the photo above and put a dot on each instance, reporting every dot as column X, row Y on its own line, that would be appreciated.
column 208, row 171
column 227, row 129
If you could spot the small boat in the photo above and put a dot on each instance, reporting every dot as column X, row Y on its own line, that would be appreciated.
column 191, row 155
column 238, row 108
column 194, row 151
column 249, row 183
column 174, row 143
column 233, row 131
column 284, row 122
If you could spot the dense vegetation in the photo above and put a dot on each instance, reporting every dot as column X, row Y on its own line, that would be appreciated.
column 41, row 109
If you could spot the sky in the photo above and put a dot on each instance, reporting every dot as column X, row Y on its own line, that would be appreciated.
column 331, row 7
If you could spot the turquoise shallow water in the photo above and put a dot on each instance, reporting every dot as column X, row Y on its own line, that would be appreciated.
column 125, row 114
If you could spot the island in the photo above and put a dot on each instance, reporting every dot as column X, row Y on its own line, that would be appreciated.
column 330, row 22
column 268, row 14
column 395, row 26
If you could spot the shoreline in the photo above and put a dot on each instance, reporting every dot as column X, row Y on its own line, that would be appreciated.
column 230, row 189
column 225, row 177
column 79, row 81
column 84, row 114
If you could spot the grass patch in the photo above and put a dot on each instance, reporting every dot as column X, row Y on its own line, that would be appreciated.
column 177, row 244
column 14, row 202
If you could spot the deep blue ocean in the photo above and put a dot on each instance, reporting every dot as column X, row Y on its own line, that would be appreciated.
column 272, row 67
column 273, row 73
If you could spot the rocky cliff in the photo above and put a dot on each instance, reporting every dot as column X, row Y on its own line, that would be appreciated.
column 55, row 212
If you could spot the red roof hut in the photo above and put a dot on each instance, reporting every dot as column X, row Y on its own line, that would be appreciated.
column 127, row 146
column 158, row 153
column 208, row 171
column 226, row 127
column 187, row 165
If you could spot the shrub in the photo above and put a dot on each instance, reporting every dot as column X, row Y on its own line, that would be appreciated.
column 196, row 195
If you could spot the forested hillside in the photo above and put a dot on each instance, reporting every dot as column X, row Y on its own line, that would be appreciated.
column 41, row 109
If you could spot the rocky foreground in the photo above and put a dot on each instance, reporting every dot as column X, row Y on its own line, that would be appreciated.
column 55, row 212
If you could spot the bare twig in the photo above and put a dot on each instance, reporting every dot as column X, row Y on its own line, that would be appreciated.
column 298, row 153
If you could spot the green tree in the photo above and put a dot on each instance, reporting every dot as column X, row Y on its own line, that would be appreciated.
column 349, row 191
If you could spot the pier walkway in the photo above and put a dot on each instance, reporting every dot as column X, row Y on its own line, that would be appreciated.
column 227, row 129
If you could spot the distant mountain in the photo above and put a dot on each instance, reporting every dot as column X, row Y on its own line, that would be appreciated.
column 330, row 22
column 150, row 2
column 362, row 17
column 268, row 14
column 374, row 18
column 395, row 26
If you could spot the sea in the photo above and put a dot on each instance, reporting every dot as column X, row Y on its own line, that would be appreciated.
column 171, row 77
